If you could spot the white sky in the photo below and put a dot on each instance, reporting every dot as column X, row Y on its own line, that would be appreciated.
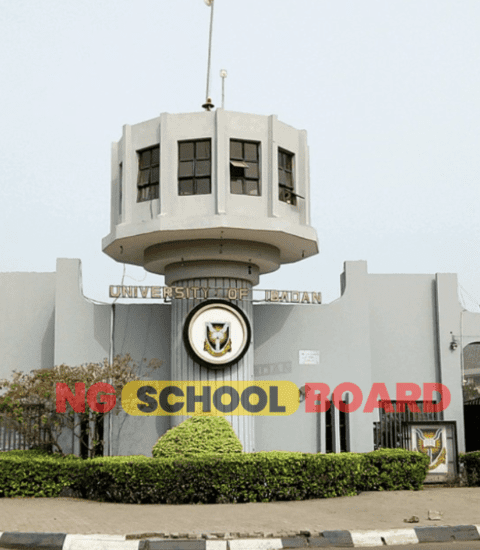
column 388, row 91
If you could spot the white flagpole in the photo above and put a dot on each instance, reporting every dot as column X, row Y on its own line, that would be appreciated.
column 209, row 3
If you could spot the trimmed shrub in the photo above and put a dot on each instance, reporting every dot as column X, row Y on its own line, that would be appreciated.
column 196, row 436
column 471, row 464
column 395, row 469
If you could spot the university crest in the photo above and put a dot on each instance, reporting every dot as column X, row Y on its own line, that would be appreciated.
column 430, row 443
column 217, row 341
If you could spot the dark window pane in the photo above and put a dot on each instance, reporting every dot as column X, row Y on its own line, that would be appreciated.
column 186, row 150
column 251, row 187
column 148, row 192
column 252, row 171
column 285, row 178
column 203, row 150
column 185, row 169
column 148, row 174
column 155, row 174
column 203, row 186
column 185, row 187
column 144, row 177
column 236, row 150
column 143, row 194
column 288, row 162
column 155, row 156
column 202, row 168
column 251, row 151
column 236, row 172
column 145, row 157
column 155, row 190
column 236, row 187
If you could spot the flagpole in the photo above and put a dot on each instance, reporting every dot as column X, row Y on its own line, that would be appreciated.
column 211, row 4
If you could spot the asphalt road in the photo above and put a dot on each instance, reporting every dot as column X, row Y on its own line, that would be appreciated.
column 438, row 546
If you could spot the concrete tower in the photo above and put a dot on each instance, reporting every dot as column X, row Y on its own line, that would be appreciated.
column 211, row 200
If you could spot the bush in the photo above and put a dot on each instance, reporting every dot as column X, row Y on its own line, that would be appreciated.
column 213, row 477
column 197, row 436
column 471, row 464
column 35, row 473
column 394, row 470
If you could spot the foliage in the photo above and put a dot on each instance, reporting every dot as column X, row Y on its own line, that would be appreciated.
column 38, row 388
column 34, row 473
column 211, row 477
column 395, row 469
column 470, row 391
column 471, row 465
column 198, row 435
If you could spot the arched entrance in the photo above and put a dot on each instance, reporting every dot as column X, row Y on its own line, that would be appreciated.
column 471, row 396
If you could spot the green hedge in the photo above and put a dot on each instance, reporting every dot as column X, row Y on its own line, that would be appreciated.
column 471, row 464
column 212, row 478
column 34, row 473
column 395, row 469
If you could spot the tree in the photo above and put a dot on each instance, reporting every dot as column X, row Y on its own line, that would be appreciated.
column 470, row 391
column 36, row 391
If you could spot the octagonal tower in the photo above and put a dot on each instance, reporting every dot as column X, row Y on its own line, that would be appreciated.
column 211, row 200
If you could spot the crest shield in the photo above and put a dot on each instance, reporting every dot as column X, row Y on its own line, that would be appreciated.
column 430, row 442
column 217, row 338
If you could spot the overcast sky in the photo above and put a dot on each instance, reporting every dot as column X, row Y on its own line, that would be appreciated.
column 388, row 91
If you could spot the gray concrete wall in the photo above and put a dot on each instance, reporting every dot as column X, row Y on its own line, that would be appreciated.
column 449, row 321
column 384, row 328
column 340, row 331
column 82, row 327
column 143, row 331
column 403, row 329
column 27, row 306
column 83, row 330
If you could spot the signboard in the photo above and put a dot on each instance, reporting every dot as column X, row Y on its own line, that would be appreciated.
column 309, row 357
column 438, row 440
column 168, row 293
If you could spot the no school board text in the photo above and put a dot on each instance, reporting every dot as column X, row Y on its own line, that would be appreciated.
column 280, row 398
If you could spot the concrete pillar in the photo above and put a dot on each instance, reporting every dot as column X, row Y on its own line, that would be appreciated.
column 183, row 366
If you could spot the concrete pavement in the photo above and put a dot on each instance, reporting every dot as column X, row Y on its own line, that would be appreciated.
column 367, row 519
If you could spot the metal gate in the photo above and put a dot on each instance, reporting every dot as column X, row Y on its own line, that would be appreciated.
column 12, row 440
column 387, row 433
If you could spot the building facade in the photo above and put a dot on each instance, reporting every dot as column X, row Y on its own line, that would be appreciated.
column 213, row 200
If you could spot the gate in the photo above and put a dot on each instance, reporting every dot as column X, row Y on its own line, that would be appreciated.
column 387, row 433
column 471, row 417
column 12, row 440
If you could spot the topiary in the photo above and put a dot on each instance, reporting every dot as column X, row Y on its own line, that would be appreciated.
column 198, row 435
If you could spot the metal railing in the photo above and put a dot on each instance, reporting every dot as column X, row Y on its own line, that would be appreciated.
column 388, row 432
column 11, row 438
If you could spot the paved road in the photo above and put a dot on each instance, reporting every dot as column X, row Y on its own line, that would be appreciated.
column 440, row 546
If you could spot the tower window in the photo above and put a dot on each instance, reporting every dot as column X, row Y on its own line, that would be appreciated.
column 148, row 174
column 286, row 187
column 120, row 188
column 244, row 167
column 194, row 167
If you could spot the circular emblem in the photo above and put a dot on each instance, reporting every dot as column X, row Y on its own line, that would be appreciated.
column 217, row 334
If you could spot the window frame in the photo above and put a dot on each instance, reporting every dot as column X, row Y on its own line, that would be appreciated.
column 196, row 161
column 242, row 164
column 151, row 190
column 286, row 193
